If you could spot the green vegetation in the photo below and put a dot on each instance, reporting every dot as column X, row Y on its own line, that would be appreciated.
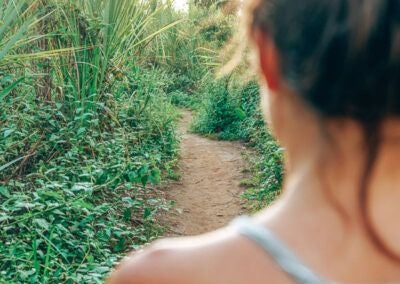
column 89, row 91
column 86, row 127
column 226, row 108
column 231, row 112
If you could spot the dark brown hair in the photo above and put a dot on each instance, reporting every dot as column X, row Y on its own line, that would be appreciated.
column 343, row 59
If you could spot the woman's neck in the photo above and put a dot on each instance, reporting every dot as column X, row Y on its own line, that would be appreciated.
column 327, row 168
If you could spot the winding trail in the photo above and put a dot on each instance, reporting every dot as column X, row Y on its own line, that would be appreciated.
column 208, row 195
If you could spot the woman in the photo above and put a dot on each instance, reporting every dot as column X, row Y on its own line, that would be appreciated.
column 331, row 74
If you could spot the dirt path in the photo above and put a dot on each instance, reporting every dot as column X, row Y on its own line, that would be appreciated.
column 208, row 195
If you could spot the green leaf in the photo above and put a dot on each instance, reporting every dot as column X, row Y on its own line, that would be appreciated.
column 102, row 269
column 3, row 167
column 4, row 191
column 147, row 212
column 144, row 170
column 82, row 204
column 81, row 130
column 144, row 180
column 128, row 200
column 155, row 176
column 132, row 176
column 240, row 114
column 120, row 245
column 127, row 214
column 51, row 195
column 9, row 89
column 42, row 223
column 8, row 132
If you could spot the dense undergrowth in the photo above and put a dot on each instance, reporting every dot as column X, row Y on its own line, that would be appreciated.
column 228, row 108
column 89, row 91
column 78, row 196
column 87, row 129
column 232, row 112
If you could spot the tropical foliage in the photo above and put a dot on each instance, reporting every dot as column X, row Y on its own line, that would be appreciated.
column 89, row 91
column 86, row 129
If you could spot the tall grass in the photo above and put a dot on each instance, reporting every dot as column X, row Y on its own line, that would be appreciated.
column 18, row 19
column 86, row 131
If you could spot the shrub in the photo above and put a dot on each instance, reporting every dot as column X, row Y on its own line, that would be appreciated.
column 234, row 114
column 218, row 112
column 76, row 194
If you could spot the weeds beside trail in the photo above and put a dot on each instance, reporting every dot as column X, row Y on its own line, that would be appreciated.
column 89, row 91
column 231, row 111
column 87, row 127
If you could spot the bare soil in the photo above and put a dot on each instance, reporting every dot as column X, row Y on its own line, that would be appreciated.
column 207, row 196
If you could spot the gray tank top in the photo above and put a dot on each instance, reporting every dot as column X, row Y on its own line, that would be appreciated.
column 277, row 250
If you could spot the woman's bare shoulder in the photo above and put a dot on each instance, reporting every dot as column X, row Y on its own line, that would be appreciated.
column 217, row 257
column 181, row 260
column 150, row 265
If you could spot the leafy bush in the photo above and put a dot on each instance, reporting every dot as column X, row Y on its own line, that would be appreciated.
column 181, row 99
column 218, row 113
column 196, row 57
column 234, row 114
column 75, row 195
column 217, row 30
column 267, row 164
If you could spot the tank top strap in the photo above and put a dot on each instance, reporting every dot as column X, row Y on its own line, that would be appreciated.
column 277, row 250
